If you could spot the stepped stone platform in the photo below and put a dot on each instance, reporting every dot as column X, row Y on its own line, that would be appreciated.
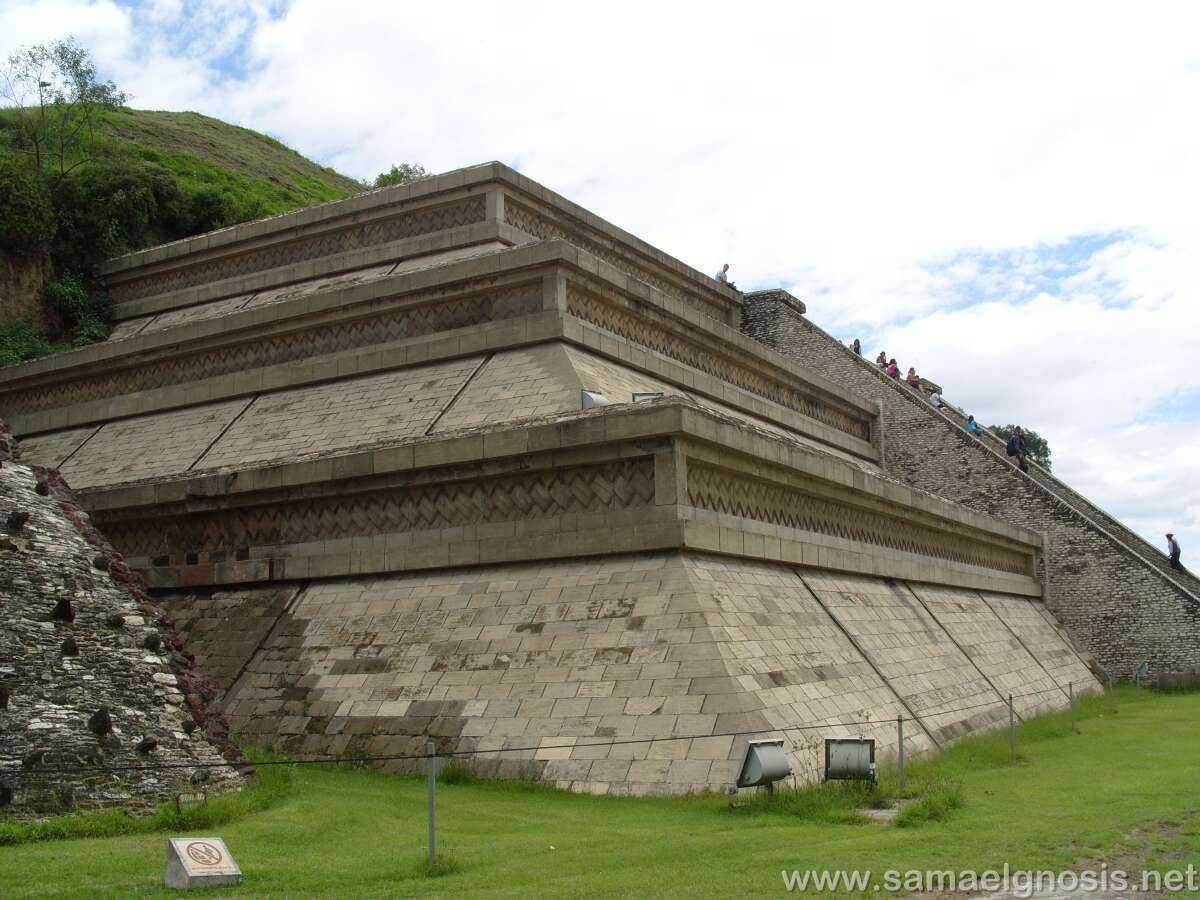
column 460, row 459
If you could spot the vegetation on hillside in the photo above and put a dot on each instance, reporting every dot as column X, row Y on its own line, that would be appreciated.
column 84, row 178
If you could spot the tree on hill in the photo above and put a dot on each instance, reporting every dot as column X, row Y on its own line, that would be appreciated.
column 83, row 178
column 56, row 97
column 400, row 174
column 1039, row 448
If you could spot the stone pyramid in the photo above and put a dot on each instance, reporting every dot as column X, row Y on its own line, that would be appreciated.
column 461, row 459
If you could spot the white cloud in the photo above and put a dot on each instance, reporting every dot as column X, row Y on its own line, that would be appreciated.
column 913, row 171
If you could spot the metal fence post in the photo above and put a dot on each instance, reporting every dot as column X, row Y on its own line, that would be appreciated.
column 1012, row 729
column 1071, row 694
column 900, row 744
column 431, row 750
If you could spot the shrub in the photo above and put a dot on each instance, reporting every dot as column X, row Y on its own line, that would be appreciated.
column 85, row 313
column 209, row 208
column 20, row 341
column 939, row 797
column 26, row 213
column 113, row 206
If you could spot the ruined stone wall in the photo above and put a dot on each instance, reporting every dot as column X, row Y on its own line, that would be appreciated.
column 78, row 635
column 1113, row 600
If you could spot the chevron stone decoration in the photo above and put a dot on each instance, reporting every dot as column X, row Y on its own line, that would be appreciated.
column 750, row 498
column 544, row 228
column 373, row 233
column 620, row 485
column 639, row 331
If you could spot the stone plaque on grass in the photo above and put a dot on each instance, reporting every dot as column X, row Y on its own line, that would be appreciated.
column 199, row 862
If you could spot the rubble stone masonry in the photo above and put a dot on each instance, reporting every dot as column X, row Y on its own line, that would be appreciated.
column 78, row 636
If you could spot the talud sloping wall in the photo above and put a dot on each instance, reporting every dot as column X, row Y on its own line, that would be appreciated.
column 634, row 673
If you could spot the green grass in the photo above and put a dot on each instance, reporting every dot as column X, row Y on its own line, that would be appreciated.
column 1126, row 789
column 271, row 785
column 203, row 152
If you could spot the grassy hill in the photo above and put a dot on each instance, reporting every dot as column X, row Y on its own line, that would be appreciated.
column 203, row 151
column 150, row 177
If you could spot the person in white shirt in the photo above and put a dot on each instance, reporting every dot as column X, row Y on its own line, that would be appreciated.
column 723, row 275
column 936, row 399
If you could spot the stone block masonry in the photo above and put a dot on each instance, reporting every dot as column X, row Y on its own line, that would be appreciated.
column 1113, row 599
column 625, row 674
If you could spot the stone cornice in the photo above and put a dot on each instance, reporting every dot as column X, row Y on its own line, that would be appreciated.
column 584, row 466
column 232, row 356
column 495, row 179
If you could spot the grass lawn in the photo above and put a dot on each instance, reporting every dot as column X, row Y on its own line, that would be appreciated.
column 1126, row 791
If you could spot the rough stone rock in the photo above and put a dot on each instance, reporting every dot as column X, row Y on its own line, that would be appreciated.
column 52, row 701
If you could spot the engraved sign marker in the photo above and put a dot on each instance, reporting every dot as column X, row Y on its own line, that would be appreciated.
column 199, row 862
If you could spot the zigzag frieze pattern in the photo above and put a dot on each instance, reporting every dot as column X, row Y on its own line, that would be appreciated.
column 724, row 492
column 604, row 315
column 539, row 226
column 370, row 234
column 623, row 484
column 412, row 320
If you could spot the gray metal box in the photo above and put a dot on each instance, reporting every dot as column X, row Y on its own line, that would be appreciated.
column 849, row 758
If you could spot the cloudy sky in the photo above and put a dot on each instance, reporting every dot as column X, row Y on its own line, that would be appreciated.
column 1006, row 196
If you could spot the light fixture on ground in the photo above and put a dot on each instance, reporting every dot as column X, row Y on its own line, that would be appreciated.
column 763, row 762
column 848, row 759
